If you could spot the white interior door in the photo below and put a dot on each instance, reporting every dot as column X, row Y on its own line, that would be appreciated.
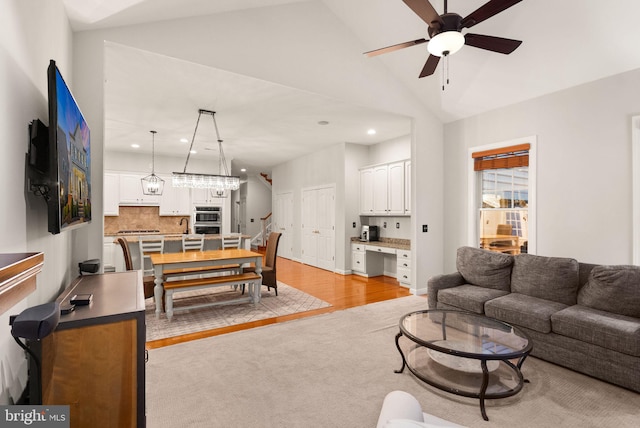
column 318, row 228
column 283, row 223
column 310, row 230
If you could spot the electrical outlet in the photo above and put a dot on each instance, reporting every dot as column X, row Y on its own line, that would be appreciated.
column 398, row 225
column 384, row 224
column 354, row 224
column 425, row 228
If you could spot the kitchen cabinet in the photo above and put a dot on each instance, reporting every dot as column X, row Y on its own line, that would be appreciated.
column 366, row 191
column 111, row 197
column 395, row 197
column 407, row 187
column 358, row 258
column 380, row 190
column 131, row 191
column 174, row 200
column 403, row 267
column 383, row 189
column 204, row 197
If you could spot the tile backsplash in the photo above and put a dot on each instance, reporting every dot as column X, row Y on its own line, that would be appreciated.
column 143, row 218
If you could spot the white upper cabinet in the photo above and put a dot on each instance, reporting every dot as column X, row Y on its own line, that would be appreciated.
column 380, row 190
column 174, row 200
column 111, row 193
column 131, row 191
column 204, row 197
column 383, row 189
column 407, row 187
column 366, row 191
column 396, row 189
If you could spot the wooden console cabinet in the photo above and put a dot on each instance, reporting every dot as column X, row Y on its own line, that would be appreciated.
column 95, row 359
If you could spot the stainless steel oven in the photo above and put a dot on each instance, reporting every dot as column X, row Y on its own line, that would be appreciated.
column 207, row 219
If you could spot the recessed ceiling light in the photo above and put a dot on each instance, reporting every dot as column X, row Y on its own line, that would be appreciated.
column 135, row 146
column 184, row 140
column 371, row 131
column 243, row 169
column 323, row 122
column 193, row 152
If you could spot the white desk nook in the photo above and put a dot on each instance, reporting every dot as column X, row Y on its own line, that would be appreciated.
column 368, row 258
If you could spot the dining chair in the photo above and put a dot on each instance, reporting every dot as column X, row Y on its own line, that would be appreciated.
column 233, row 240
column 269, row 268
column 147, row 281
column 193, row 242
column 149, row 244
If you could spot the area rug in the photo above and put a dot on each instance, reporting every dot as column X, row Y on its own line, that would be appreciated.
column 288, row 301
column 334, row 370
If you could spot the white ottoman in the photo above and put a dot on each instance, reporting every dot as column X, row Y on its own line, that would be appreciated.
column 401, row 410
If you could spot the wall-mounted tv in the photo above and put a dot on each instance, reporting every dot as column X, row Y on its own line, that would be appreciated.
column 60, row 169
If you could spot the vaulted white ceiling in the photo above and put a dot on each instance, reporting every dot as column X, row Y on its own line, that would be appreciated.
column 565, row 43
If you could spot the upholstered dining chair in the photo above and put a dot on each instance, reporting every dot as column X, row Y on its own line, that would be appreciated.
column 149, row 244
column 147, row 281
column 269, row 268
column 193, row 242
column 509, row 246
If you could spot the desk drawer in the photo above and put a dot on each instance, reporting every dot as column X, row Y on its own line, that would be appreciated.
column 385, row 250
column 404, row 275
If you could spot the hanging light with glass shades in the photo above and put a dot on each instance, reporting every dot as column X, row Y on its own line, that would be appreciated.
column 152, row 184
column 218, row 183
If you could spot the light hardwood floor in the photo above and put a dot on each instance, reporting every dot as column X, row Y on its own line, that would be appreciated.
column 341, row 291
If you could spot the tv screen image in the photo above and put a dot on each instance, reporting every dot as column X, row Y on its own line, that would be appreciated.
column 70, row 165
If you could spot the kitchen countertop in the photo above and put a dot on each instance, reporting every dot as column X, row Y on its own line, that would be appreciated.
column 397, row 243
column 133, row 237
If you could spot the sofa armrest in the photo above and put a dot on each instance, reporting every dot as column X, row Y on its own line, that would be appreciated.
column 440, row 282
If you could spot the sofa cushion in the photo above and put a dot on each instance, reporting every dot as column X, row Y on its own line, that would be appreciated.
column 612, row 331
column 484, row 268
column 549, row 278
column 522, row 310
column 613, row 289
column 469, row 297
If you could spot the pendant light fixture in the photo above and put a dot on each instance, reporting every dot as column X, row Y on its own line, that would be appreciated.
column 218, row 183
column 152, row 184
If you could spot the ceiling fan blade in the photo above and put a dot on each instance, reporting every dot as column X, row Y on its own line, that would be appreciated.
column 426, row 12
column 491, row 43
column 395, row 47
column 430, row 66
column 486, row 11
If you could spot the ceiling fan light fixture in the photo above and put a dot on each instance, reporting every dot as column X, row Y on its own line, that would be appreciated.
column 445, row 43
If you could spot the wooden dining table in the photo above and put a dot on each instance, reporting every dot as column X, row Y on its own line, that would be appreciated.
column 193, row 260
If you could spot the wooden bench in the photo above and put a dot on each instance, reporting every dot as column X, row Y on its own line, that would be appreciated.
column 254, row 280
column 172, row 273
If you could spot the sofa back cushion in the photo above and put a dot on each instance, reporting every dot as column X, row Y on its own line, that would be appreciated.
column 550, row 278
column 613, row 289
column 484, row 268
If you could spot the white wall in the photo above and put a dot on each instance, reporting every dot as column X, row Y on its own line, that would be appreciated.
column 301, row 45
column 584, row 170
column 31, row 33
column 258, row 204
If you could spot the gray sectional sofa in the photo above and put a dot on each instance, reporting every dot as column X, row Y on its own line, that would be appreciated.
column 582, row 316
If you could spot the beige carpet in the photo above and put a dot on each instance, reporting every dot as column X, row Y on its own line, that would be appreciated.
column 288, row 301
column 333, row 370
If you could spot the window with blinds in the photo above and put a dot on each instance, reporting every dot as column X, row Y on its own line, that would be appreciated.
column 503, row 177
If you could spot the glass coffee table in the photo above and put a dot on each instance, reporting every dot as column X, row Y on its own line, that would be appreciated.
column 463, row 353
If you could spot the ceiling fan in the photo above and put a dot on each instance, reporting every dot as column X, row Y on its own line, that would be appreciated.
column 445, row 32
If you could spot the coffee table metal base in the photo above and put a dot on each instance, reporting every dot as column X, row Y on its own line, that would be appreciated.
column 478, row 374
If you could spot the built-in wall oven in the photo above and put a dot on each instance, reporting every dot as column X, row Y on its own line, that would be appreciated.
column 207, row 219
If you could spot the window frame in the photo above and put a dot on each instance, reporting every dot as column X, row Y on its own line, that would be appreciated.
column 474, row 191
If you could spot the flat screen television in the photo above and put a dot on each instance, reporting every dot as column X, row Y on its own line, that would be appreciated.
column 69, row 151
